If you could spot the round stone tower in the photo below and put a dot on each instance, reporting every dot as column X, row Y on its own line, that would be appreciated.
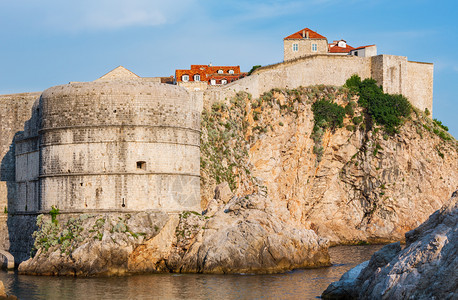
column 119, row 145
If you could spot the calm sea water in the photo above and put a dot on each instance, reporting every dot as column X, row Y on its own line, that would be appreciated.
column 298, row 284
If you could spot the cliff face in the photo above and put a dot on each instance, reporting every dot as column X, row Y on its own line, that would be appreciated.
column 352, row 184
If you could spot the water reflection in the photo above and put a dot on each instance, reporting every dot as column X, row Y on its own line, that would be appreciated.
column 298, row 284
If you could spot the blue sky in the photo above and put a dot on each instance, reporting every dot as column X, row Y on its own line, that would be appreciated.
column 50, row 42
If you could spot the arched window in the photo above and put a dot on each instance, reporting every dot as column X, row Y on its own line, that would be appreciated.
column 220, row 71
column 231, row 71
column 185, row 78
column 197, row 77
column 213, row 81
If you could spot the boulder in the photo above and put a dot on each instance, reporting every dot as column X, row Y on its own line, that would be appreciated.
column 248, row 236
column 2, row 290
column 424, row 269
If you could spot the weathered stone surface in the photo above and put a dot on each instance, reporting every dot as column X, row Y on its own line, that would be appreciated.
column 366, row 184
column 424, row 269
column 246, row 235
column 223, row 192
column 2, row 289
column 3, row 294
column 93, row 244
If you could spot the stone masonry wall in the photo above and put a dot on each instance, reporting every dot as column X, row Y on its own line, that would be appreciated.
column 305, row 71
column 419, row 84
column 394, row 73
column 15, row 110
column 304, row 47
column 120, row 145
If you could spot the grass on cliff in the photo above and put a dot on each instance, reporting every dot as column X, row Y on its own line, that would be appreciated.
column 224, row 151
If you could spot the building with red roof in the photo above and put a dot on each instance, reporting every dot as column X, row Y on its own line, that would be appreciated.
column 199, row 77
column 308, row 42
column 304, row 42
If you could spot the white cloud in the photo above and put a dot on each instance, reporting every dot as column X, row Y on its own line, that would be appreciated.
column 88, row 15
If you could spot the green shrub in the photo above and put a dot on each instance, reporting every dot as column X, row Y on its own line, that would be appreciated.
column 357, row 120
column 385, row 109
column 353, row 83
column 54, row 212
column 253, row 68
column 427, row 112
column 349, row 109
column 351, row 127
column 331, row 113
column 439, row 123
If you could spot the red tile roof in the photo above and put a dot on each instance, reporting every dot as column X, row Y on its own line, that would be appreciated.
column 210, row 72
column 362, row 47
column 337, row 49
column 299, row 34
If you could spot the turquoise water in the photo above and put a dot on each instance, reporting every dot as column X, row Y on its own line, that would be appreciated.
column 297, row 284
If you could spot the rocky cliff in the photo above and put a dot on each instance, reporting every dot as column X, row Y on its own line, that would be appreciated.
column 350, row 184
column 424, row 269
column 277, row 182
column 244, row 235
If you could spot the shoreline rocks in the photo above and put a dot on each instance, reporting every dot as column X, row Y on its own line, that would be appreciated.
column 4, row 295
column 244, row 235
column 424, row 269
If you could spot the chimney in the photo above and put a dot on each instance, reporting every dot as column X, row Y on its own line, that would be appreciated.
column 307, row 34
column 303, row 34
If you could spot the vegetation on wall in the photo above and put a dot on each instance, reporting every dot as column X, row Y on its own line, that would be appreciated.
column 253, row 69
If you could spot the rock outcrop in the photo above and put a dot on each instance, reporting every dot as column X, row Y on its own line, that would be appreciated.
column 424, row 269
column 249, row 236
column 4, row 295
column 244, row 235
column 351, row 184
column 2, row 290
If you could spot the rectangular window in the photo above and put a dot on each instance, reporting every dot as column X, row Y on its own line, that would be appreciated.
column 196, row 77
column 295, row 47
column 314, row 47
column 141, row 165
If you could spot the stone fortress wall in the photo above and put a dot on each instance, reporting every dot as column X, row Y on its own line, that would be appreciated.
column 396, row 74
column 114, row 145
column 15, row 110
column 125, row 143
column 61, row 152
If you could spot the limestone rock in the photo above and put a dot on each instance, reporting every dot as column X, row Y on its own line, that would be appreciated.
column 365, row 186
column 2, row 289
column 100, row 244
column 4, row 295
column 223, row 192
column 247, row 236
column 424, row 269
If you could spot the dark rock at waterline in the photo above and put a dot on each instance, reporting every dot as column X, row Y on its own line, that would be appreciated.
column 424, row 269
